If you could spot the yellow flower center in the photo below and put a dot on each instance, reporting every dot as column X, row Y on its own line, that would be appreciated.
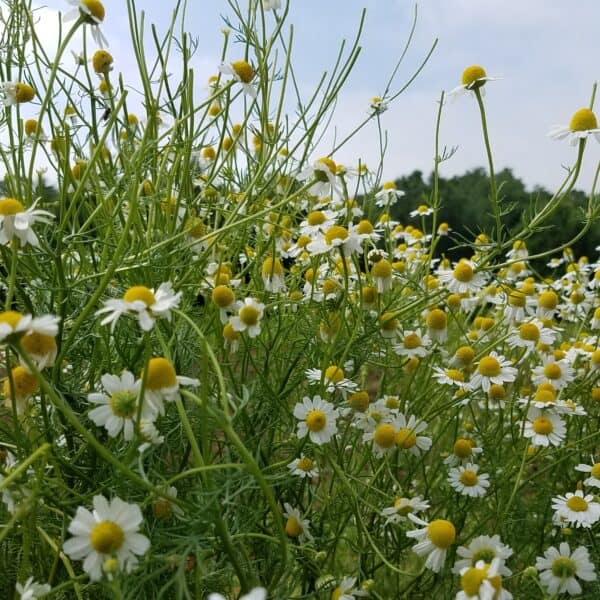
column 25, row 384
column 359, row 401
column 472, row 76
column 596, row 471
column 334, row 374
column 583, row 120
column 463, row 272
column 161, row 374
column 305, row 464
column 543, row 426
column 400, row 509
column 392, row 402
column 436, row 319
column 102, row 61
column 441, row 533
column 24, row 92
column 412, row 341
column 140, row 292
column 11, row 317
column 329, row 163
column 316, row 217
column 337, row 232
column 223, row 296
column 382, row 269
column 564, row 567
column 577, row 504
column 468, row 478
column 229, row 333
column 30, row 126
column 107, row 537
column 365, row 227
column 330, row 286
column 10, row 206
column 249, row 315
column 552, row 371
column 517, row 298
column 497, row 392
column 465, row 354
column 389, row 185
column 462, row 448
column 545, row 396
column 38, row 344
column 406, row 438
column 471, row 580
column 95, row 8
column 316, row 420
column 293, row 527
column 529, row 332
column 243, row 70
column 272, row 267
column 454, row 374
column 489, row 367
column 122, row 403
column 384, row 436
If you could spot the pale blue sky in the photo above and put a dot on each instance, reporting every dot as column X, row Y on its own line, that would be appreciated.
column 545, row 50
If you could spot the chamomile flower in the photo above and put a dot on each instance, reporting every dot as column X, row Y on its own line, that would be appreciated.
column 437, row 325
column 407, row 437
column 473, row 78
column 378, row 105
column 117, row 408
column 576, row 510
column 317, row 418
column 529, row 335
column 243, row 72
column 317, row 221
column 452, row 377
column 383, row 437
column 14, row 325
column 463, row 451
column 93, row 14
column 433, row 540
column 484, row 548
column 346, row 590
column 16, row 92
column 296, row 526
column 482, row 582
column 413, row 344
column 421, row 211
column 144, row 303
column 463, row 278
column 31, row 589
column 336, row 238
column 557, row 372
column 16, row 221
column 334, row 379
column 323, row 173
column 110, row 531
column 389, row 194
column 594, row 470
column 560, row 568
column 492, row 369
column 583, row 124
column 466, row 480
column 303, row 467
column 162, row 384
column 402, row 508
column 273, row 276
column 544, row 428
column 250, row 313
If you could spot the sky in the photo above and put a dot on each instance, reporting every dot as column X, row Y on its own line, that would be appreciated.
column 544, row 51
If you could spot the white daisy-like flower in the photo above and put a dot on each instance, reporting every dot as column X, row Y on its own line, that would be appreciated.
column 242, row 72
column 529, row 335
column 484, row 548
column 14, row 323
column 433, row 540
column 347, row 591
column 336, row 237
column 162, row 384
column 560, row 568
column 317, row 221
column 473, row 78
column 93, row 13
column 110, row 531
column 16, row 221
column 453, row 377
column 544, row 428
column 303, row 467
column 31, row 589
column 421, row 211
column 317, row 418
column 583, row 124
column 464, row 451
column 407, row 437
column 118, row 408
column 558, row 372
column 413, row 344
column 492, row 369
column 389, row 194
column 258, row 593
column 144, row 303
column 576, row 510
column 402, row 508
column 594, row 470
column 466, row 480
column 250, row 313
column 333, row 378
column 296, row 526
column 463, row 278
column 377, row 105
column 324, row 172
column 482, row 582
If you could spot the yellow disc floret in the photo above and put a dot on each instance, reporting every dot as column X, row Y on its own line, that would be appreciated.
column 107, row 537
column 441, row 533
column 473, row 77
column 161, row 374
column 583, row 120
column 139, row 292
